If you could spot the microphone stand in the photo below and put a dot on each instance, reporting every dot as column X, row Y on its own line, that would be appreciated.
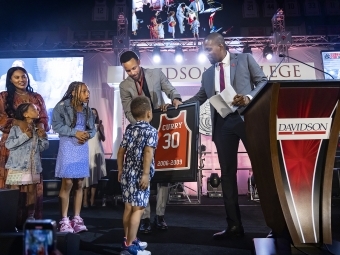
column 283, row 55
column 270, row 76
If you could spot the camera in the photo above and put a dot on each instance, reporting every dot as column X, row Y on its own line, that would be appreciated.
column 39, row 237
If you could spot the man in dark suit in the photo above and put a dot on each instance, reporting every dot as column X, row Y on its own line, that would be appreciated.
column 246, row 77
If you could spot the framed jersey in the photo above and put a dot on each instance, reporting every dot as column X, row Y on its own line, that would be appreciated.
column 176, row 153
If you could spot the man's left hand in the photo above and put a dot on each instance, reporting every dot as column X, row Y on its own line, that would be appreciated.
column 241, row 100
column 176, row 103
column 164, row 107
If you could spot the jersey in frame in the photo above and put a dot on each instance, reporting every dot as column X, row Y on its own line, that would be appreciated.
column 174, row 143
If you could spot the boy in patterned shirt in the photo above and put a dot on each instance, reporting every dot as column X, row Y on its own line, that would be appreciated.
column 134, row 174
column 194, row 27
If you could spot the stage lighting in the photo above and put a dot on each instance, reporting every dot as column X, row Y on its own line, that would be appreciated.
column 201, row 55
column 268, row 52
column 214, row 180
column 156, row 55
column 247, row 48
column 178, row 55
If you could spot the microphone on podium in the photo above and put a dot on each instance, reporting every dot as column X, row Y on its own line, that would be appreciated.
column 281, row 55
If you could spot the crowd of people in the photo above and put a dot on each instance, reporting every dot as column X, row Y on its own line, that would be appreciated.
column 80, row 161
column 174, row 16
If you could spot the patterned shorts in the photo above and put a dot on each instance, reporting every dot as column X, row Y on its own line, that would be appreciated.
column 132, row 194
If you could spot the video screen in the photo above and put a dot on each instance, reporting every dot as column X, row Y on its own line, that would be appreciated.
column 331, row 64
column 38, row 242
column 50, row 77
column 159, row 19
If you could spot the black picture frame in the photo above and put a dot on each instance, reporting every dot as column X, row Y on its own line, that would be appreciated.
column 329, row 75
column 192, row 119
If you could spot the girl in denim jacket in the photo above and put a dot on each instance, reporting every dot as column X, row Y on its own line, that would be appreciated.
column 73, row 120
column 25, row 142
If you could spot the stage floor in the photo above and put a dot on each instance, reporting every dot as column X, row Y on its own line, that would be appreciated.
column 190, row 228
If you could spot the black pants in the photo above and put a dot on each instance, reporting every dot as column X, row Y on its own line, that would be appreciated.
column 227, row 133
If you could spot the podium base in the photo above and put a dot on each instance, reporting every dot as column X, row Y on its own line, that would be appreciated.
column 279, row 246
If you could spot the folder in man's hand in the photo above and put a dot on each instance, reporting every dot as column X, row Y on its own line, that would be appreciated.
column 223, row 102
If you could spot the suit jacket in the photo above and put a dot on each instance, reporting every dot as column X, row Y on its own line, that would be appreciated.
column 194, row 7
column 156, row 82
column 246, row 77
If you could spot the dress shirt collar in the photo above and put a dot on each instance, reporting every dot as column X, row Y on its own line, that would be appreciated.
column 225, row 61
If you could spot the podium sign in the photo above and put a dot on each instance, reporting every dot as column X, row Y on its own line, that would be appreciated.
column 176, row 154
column 293, row 129
column 301, row 160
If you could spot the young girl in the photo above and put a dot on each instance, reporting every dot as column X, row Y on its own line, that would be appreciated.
column 171, row 23
column 25, row 143
column 160, row 29
column 153, row 27
column 73, row 120
column 97, row 160
column 135, row 173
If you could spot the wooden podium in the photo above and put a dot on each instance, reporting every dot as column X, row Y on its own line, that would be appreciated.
column 292, row 129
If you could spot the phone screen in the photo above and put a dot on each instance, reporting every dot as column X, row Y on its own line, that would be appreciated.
column 39, row 238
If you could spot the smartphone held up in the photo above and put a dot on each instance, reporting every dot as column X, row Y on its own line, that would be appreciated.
column 39, row 237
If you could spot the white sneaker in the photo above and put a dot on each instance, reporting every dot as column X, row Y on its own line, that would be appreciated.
column 144, row 252
column 141, row 244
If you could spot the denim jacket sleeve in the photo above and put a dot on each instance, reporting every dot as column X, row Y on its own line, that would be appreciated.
column 59, row 122
column 43, row 143
column 91, row 127
column 15, row 138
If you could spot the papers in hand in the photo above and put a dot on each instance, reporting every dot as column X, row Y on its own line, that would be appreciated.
column 223, row 102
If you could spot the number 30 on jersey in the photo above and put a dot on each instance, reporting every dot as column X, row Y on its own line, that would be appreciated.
column 174, row 142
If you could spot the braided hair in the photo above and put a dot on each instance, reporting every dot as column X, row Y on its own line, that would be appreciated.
column 9, row 108
column 76, row 87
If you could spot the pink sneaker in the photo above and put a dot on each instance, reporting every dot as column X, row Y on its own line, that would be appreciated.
column 65, row 226
column 78, row 224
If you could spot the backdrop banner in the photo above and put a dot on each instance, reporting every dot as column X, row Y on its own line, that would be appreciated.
column 193, row 73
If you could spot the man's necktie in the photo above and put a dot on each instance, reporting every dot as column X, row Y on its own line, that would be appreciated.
column 222, row 81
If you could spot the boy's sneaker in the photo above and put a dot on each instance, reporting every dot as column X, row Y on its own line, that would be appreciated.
column 134, row 249
column 78, row 224
column 141, row 244
column 65, row 226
